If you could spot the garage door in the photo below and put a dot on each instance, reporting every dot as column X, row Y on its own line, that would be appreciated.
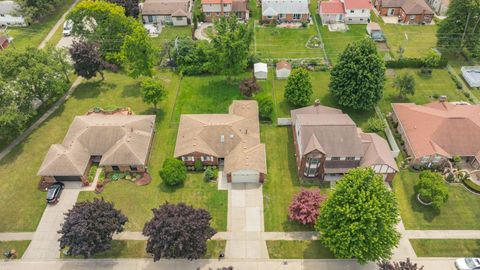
column 245, row 176
column 68, row 178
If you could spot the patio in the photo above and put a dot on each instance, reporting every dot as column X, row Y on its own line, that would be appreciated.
column 337, row 27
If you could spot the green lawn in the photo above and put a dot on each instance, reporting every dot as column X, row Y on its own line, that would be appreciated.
column 136, row 249
column 298, row 250
column 169, row 33
column 283, row 43
column 416, row 40
column 461, row 212
column 19, row 246
column 446, row 247
column 34, row 34
column 335, row 42
column 439, row 83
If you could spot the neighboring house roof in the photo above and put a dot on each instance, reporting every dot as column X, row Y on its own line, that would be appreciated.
column 176, row 8
column 217, row 2
column 119, row 139
column 409, row 6
column 260, row 67
column 373, row 26
column 331, row 7
column 4, row 42
column 376, row 151
column 440, row 128
column 276, row 7
column 357, row 4
column 234, row 136
column 240, row 5
column 8, row 7
column 284, row 65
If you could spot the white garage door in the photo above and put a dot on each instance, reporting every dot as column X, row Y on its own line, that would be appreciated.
column 245, row 176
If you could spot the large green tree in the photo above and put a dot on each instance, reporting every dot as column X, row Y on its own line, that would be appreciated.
column 405, row 84
column 152, row 91
column 298, row 90
column 231, row 44
column 359, row 219
column 139, row 52
column 358, row 78
column 461, row 28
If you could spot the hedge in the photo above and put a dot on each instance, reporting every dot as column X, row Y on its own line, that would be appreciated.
column 471, row 185
column 412, row 63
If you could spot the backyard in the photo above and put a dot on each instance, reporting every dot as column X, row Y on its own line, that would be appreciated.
column 335, row 42
column 416, row 40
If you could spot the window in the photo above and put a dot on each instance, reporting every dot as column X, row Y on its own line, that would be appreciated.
column 311, row 167
column 206, row 158
column 168, row 18
column 424, row 159
column 361, row 19
column 350, row 158
column 335, row 158
column 437, row 159
column 297, row 16
column 188, row 158
column 133, row 168
column 115, row 168
column 207, row 14
column 351, row 11
column 363, row 10
column 225, row 5
column 150, row 18
column 282, row 16
column 350, row 19
column 226, row 14
column 412, row 17
column 218, row 13
column 179, row 18
column 269, row 17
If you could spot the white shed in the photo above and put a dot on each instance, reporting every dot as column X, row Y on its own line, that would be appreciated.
column 283, row 69
column 260, row 71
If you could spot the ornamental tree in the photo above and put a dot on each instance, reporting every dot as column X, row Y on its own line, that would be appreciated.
column 298, row 90
column 265, row 108
column 152, row 91
column 359, row 219
column 405, row 84
column 87, row 61
column 178, row 231
column 402, row 265
column 305, row 206
column 358, row 79
column 249, row 87
column 138, row 52
column 432, row 189
column 89, row 227
column 173, row 172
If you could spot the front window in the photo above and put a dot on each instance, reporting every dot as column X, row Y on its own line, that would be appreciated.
column 188, row 158
column 424, row 159
column 115, row 168
column 335, row 158
column 412, row 17
column 168, row 18
column 281, row 16
column 297, row 16
column 207, row 14
column 178, row 18
column 437, row 159
column 150, row 18
column 351, row 11
column 350, row 158
column 206, row 158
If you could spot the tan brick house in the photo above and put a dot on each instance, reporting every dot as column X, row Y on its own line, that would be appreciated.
column 407, row 11
column 230, row 140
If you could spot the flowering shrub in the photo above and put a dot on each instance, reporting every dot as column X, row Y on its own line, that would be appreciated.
column 305, row 206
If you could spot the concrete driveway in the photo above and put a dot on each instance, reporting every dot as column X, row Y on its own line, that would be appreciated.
column 65, row 42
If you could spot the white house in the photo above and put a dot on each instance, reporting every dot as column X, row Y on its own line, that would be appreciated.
column 283, row 69
column 9, row 14
column 331, row 12
column 357, row 11
column 260, row 71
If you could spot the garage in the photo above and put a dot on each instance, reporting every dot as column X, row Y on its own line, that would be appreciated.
column 245, row 176
column 67, row 178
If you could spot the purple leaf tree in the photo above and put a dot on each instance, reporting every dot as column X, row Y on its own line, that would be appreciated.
column 305, row 206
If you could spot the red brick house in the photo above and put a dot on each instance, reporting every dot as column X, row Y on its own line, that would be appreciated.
column 216, row 8
column 407, row 11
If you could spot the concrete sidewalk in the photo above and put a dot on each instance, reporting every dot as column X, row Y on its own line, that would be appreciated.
column 443, row 234
column 56, row 26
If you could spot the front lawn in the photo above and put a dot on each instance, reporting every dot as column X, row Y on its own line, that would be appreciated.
column 416, row 40
column 335, row 42
column 283, row 249
column 438, row 84
column 461, row 212
column 446, row 247
column 19, row 246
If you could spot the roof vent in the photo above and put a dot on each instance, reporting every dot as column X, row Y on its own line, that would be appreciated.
column 222, row 138
column 231, row 136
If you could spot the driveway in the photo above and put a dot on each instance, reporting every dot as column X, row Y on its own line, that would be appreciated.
column 65, row 42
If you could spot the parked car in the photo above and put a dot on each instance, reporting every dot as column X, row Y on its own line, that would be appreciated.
column 54, row 191
column 67, row 28
column 467, row 263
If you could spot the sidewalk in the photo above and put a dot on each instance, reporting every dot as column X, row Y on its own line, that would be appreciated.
column 56, row 26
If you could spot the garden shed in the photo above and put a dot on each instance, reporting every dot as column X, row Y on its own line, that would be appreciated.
column 260, row 71
column 472, row 75
column 283, row 69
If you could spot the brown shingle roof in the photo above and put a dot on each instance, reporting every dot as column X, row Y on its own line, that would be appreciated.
column 376, row 151
column 284, row 64
column 409, row 6
column 167, row 7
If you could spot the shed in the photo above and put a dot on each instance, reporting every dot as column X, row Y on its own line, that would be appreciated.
column 283, row 69
column 375, row 32
column 472, row 75
column 260, row 71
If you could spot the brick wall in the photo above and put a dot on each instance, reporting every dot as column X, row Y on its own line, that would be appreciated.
column 197, row 156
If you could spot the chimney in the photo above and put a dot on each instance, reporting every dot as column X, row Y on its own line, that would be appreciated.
column 317, row 102
column 442, row 99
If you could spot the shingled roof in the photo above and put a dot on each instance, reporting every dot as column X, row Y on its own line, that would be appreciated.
column 119, row 139
column 174, row 8
column 409, row 6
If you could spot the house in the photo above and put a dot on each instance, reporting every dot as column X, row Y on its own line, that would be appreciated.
column 260, row 71
column 230, row 140
column 375, row 32
column 471, row 75
column 407, row 11
column 285, row 11
column 283, row 70
column 438, row 131
column 9, row 14
column 175, row 12
column 331, row 12
column 4, row 42
column 439, row 6
column 117, row 142
column 328, row 144
column 216, row 8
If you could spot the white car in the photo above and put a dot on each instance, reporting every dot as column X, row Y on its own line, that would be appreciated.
column 67, row 28
column 467, row 263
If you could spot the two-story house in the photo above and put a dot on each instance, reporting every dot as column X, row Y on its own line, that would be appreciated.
column 328, row 144
column 216, row 8
column 345, row 11
column 285, row 10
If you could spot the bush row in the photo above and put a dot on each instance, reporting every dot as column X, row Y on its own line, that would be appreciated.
column 471, row 185
column 414, row 63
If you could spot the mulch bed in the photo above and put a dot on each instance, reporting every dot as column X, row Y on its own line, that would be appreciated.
column 145, row 180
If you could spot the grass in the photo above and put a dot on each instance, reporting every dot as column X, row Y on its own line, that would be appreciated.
column 416, row 40
column 169, row 33
column 283, row 249
column 33, row 35
column 446, row 247
column 283, row 43
column 19, row 246
column 439, row 83
column 136, row 249
column 461, row 212
column 336, row 42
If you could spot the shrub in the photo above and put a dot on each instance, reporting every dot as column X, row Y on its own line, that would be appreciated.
column 471, row 185
column 198, row 165
column 305, row 206
column 173, row 172
column 265, row 108
column 455, row 79
column 426, row 71
column 457, row 159
column 405, row 63
column 249, row 87
column 375, row 124
column 432, row 188
column 298, row 89
column 210, row 174
column 432, row 59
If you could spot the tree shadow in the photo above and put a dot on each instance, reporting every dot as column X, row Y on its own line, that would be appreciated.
column 131, row 90
column 429, row 213
column 92, row 89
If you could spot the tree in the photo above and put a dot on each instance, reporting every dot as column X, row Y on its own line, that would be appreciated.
column 178, row 231
column 131, row 7
column 249, row 87
column 375, row 124
column 405, row 84
column 359, row 219
column 173, row 172
column 139, row 52
column 402, row 265
column 265, row 108
column 87, row 61
column 192, row 58
column 35, row 10
column 305, row 206
column 432, row 59
column 298, row 90
column 89, row 226
column 231, row 45
column 358, row 79
column 152, row 91
column 431, row 188
column 60, row 55
column 461, row 27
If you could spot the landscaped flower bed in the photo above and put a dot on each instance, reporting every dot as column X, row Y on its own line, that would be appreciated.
column 314, row 42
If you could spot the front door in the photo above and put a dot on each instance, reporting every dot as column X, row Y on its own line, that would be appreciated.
column 390, row 12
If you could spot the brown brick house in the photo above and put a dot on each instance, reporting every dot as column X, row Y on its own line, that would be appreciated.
column 117, row 142
column 407, row 11
column 328, row 143
column 231, row 140
column 215, row 8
